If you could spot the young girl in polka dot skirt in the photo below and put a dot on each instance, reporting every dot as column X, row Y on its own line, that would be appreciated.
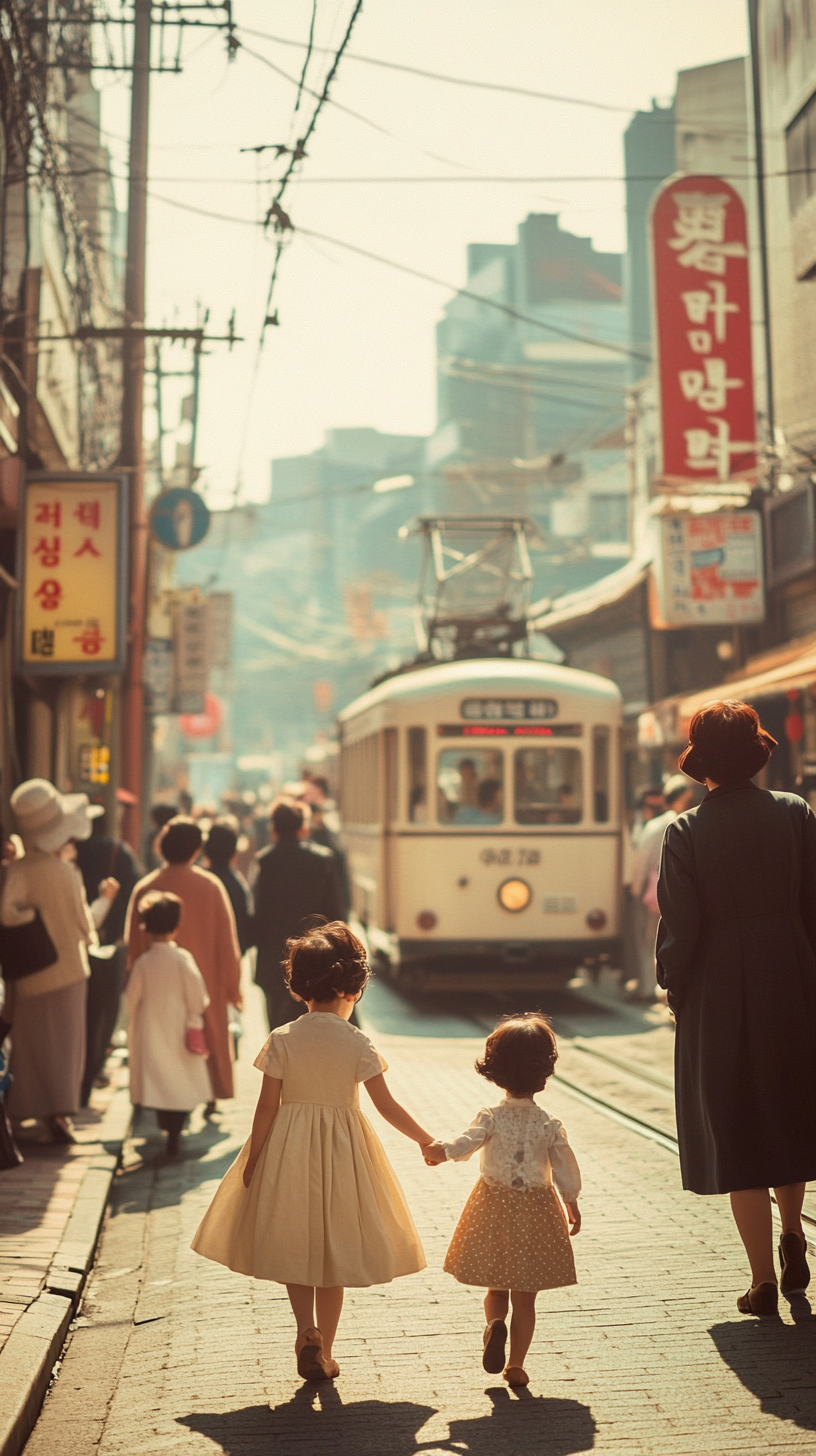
column 512, row 1235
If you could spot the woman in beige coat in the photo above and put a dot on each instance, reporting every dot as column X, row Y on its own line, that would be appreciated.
column 47, row 1009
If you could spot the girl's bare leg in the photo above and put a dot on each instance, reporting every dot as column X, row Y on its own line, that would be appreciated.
column 751, row 1208
column 790, row 1200
column 497, row 1302
column 522, row 1326
column 328, row 1308
column 302, row 1300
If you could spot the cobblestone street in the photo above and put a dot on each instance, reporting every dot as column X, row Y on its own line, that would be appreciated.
column 646, row 1355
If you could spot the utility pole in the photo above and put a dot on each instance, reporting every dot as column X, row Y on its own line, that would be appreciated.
column 759, row 155
column 131, row 455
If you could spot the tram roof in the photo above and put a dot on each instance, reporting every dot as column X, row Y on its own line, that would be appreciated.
column 490, row 675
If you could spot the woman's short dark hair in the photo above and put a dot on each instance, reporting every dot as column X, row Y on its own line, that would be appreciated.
column 222, row 840
column 180, row 840
column 520, row 1054
column 325, row 963
column 727, row 743
column 159, row 912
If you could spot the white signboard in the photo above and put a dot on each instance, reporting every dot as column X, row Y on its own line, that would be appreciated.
column 708, row 570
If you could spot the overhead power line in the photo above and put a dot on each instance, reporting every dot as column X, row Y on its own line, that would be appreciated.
column 505, row 308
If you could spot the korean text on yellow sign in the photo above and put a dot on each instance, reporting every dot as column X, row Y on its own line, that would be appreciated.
column 70, row 588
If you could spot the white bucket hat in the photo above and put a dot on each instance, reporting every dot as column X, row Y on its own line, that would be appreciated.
column 47, row 819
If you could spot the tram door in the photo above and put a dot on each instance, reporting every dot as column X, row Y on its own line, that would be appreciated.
column 390, row 842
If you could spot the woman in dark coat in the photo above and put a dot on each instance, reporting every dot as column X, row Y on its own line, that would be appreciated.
column 736, row 952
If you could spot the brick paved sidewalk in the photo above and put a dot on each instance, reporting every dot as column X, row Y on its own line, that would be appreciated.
column 647, row 1354
column 38, row 1197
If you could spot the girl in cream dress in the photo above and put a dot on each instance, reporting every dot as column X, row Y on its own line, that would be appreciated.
column 512, row 1235
column 312, row 1201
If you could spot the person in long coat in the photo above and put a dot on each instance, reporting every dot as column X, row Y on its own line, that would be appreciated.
column 47, row 1009
column 206, row 929
column 296, row 880
column 736, row 953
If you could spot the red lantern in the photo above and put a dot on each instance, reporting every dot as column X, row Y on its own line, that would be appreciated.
column 203, row 725
column 793, row 727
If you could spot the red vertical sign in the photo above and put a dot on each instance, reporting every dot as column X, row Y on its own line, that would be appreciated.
column 703, row 330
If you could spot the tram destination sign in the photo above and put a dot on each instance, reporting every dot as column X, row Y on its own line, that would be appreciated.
column 509, row 730
column 513, row 708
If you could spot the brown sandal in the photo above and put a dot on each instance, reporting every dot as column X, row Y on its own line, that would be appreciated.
column 761, row 1300
column 311, row 1362
column 514, row 1375
column 495, row 1339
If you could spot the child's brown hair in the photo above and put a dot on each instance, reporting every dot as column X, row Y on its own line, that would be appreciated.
column 325, row 963
column 520, row 1055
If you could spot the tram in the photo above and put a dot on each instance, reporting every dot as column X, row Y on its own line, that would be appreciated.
column 481, row 804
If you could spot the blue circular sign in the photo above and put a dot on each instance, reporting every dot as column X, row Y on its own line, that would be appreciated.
column 179, row 519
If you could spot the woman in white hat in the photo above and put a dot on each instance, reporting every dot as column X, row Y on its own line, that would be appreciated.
column 47, row 1008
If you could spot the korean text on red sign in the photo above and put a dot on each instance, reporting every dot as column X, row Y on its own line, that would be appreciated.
column 703, row 331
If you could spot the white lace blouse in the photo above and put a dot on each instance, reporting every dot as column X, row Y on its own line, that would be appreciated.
column 521, row 1147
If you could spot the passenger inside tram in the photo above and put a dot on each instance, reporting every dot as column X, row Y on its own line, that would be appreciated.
column 470, row 790
column 548, row 786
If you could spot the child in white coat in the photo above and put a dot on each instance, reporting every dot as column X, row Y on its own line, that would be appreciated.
column 166, row 998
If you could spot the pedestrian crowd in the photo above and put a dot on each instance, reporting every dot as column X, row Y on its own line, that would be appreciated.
column 722, row 917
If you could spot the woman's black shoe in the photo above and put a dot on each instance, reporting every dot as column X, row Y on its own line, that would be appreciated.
column 793, row 1258
column 762, row 1299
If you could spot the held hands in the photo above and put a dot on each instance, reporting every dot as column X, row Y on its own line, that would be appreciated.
column 109, row 888
column 574, row 1216
column 433, row 1153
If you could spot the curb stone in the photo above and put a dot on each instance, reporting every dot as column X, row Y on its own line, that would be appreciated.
column 35, row 1344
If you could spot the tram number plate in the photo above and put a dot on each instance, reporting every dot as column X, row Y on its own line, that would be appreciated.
column 510, row 856
column 560, row 905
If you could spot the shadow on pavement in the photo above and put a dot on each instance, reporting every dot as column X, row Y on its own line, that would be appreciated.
column 317, row 1419
column 775, row 1361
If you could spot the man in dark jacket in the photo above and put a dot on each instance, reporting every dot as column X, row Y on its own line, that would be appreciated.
column 296, row 881
column 99, row 858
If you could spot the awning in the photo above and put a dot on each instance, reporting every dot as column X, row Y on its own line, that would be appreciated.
column 572, row 606
column 791, row 673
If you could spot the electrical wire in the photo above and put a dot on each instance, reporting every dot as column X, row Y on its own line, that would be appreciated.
column 504, row 308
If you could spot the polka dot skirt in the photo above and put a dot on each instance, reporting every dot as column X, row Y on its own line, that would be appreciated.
column 509, row 1238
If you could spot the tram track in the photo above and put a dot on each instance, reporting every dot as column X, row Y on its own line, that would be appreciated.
column 641, row 1126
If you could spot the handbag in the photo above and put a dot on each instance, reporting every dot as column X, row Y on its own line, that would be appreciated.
column 650, row 893
column 26, row 949
column 196, row 1042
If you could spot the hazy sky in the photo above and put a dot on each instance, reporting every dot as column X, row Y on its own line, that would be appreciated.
column 356, row 342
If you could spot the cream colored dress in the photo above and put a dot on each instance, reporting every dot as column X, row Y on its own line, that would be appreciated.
column 324, row 1206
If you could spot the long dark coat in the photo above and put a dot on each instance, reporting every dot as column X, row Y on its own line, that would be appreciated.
column 296, row 879
column 736, row 951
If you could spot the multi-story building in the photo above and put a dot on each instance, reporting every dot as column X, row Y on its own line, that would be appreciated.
column 532, row 369
column 60, row 268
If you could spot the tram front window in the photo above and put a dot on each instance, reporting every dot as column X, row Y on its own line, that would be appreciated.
column 549, row 786
column 470, row 786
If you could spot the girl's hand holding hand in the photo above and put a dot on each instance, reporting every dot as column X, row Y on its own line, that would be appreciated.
column 574, row 1216
column 433, row 1153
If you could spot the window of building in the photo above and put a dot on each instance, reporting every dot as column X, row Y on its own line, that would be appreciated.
column 549, row 786
column 800, row 144
column 417, row 776
column 470, row 786
column 600, row 773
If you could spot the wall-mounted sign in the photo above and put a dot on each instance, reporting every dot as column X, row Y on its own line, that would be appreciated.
column 702, row 332
column 158, row 674
column 219, row 626
column 72, row 553
column 179, row 519
column 191, row 670
column 708, row 570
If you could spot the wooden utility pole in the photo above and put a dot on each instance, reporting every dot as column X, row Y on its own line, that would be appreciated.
column 132, row 453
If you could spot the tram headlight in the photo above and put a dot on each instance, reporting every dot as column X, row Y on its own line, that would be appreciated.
column 514, row 895
column 596, row 919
